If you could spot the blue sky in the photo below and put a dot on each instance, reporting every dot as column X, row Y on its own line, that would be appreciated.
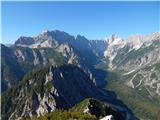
column 94, row 20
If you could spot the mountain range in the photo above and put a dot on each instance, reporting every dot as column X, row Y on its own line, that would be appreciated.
column 55, row 70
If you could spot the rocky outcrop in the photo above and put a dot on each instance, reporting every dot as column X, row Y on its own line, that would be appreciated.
column 108, row 117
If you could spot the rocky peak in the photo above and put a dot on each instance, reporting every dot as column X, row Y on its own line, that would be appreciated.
column 114, row 40
column 80, row 37
column 133, row 41
column 25, row 41
column 136, row 37
column 155, row 36
column 45, row 31
column 61, row 36
column 137, row 41
column 44, row 36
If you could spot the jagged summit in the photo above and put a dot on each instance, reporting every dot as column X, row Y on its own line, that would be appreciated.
column 45, row 39
column 114, row 40
column 80, row 37
column 132, row 42
column 135, row 40
column 58, row 35
column 44, row 31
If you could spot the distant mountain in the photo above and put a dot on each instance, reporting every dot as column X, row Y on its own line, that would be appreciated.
column 55, row 38
column 135, row 63
column 49, row 47
column 138, row 57
column 52, row 88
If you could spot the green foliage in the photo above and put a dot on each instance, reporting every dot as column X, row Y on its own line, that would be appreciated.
column 64, row 115
column 80, row 107
column 98, row 108
column 39, row 76
column 51, row 53
column 6, row 100
column 48, row 87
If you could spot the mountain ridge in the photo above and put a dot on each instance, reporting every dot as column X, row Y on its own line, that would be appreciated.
column 47, row 89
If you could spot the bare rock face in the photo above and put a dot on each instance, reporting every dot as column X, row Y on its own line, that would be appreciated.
column 68, row 52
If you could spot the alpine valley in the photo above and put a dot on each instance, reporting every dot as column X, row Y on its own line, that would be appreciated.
column 57, row 76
